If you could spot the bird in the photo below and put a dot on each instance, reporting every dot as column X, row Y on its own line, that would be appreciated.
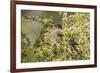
column 74, row 44
column 57, row 33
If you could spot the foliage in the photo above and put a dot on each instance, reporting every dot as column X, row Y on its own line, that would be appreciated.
column 68, row 40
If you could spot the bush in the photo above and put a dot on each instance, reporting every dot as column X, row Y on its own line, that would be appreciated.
column 68, row 40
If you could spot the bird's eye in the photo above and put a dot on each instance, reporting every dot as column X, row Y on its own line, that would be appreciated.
column 60, row 34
